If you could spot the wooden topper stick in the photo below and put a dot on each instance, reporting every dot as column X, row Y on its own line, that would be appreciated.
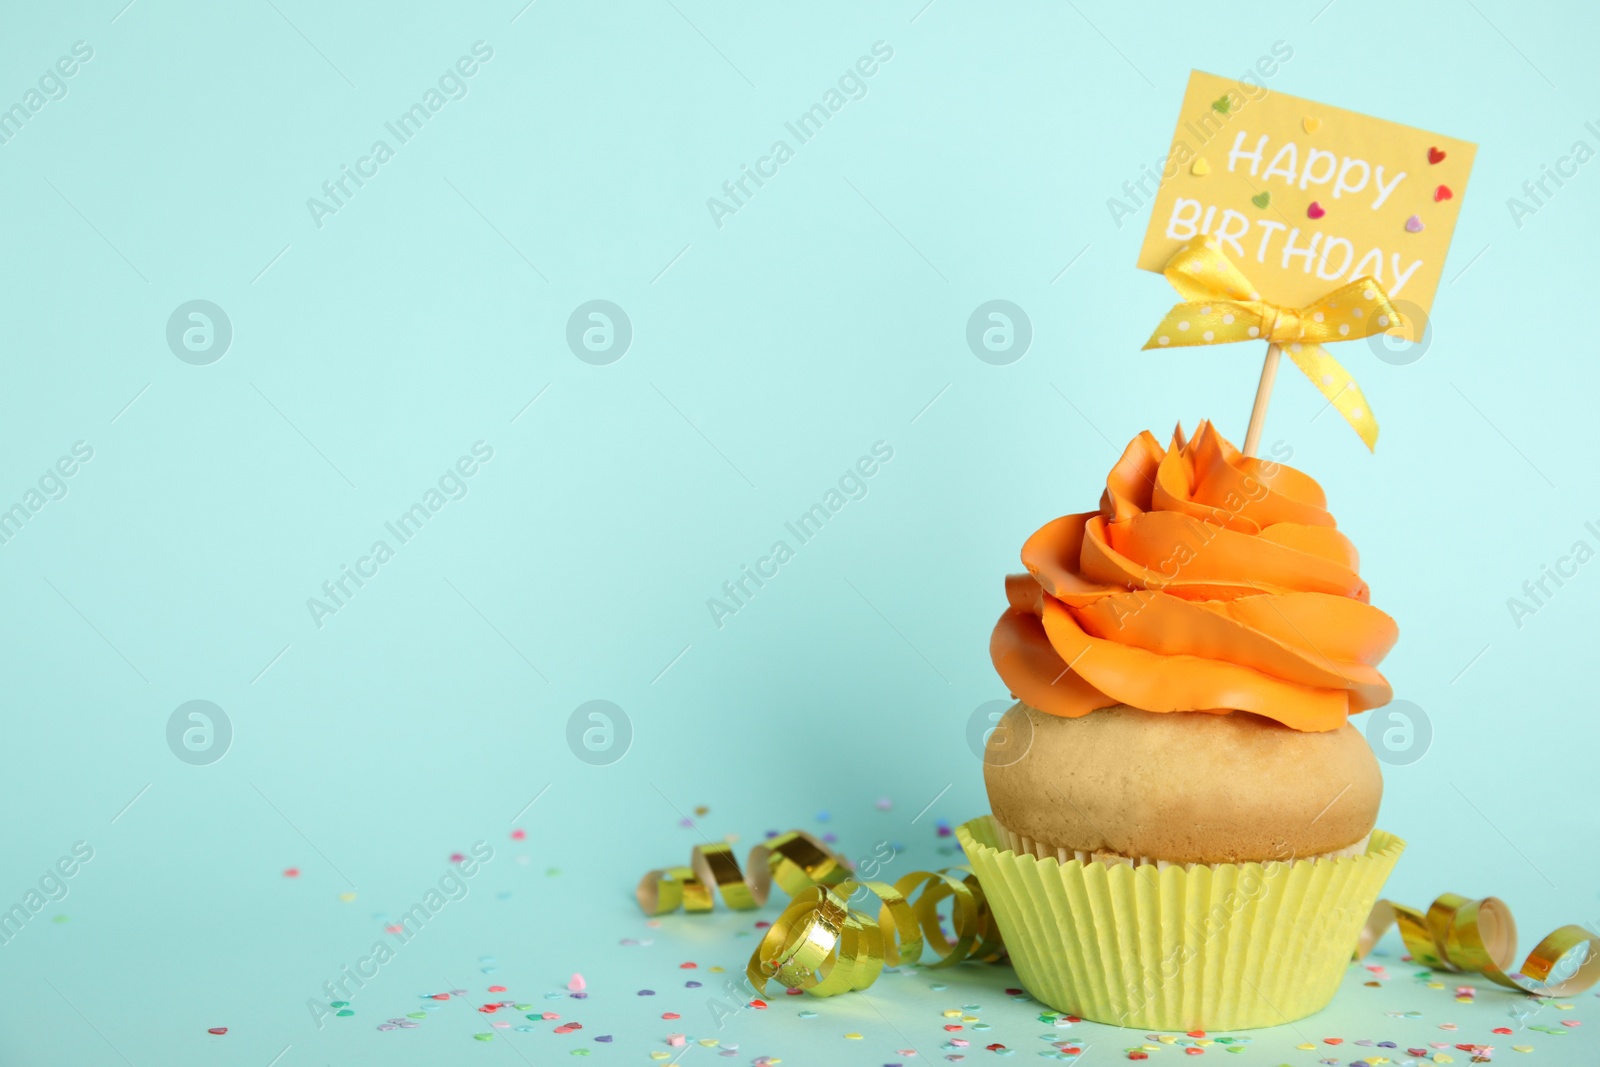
column 1258, row 414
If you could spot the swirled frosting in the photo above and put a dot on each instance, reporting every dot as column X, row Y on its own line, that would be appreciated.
column 1207, row 581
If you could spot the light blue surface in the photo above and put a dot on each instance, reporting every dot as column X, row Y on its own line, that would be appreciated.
column 767, row 354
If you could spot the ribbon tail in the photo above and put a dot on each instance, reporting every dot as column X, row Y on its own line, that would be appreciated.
column 1335, row 383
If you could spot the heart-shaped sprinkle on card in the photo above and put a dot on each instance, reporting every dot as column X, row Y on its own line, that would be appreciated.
column 1311, row 125
column 1442, row 193
column 1413, row 225
column 1221, row 105
column 1315, row 211
column 219, row 1030
column 1261, row 199
column 1436, row 155
column 1200, row 168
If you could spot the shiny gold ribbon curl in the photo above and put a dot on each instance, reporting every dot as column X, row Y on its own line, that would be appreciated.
column 1221, row 306
column 1480, row 937
column 820, row 944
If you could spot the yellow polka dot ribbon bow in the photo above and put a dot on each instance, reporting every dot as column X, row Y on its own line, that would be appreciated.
column 1221, row 306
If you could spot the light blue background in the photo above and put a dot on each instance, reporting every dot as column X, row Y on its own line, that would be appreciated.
column 768, row 354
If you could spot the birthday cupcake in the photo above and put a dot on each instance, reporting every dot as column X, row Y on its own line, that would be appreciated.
column 1184, row 822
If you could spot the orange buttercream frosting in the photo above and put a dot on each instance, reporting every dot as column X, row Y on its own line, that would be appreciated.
column 1207, row 581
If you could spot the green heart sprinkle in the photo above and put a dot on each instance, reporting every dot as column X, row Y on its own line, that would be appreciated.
column 1261, row 199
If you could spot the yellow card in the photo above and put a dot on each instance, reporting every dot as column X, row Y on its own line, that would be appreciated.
column 1305, row 197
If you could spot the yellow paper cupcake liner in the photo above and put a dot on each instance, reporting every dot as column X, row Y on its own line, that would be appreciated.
column 1221, row 947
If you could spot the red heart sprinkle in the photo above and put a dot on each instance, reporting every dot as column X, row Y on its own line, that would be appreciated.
column 758, row 1003
column 1417, row 1051
column 1315, row 211
column 497, row 989
column 1196, row 1033
column 1013, row 992
column 489, row 1009
column 1333, row 1040
column 1435, row 155
column 670, row 1015
column 1442, row 193
column 1502, row 1030
column 952, row 1027
column 1193, row 1051
column 687, row 966
column 441, row 996
column 1138, row 1055
column 217, row 1030
column 994, row 1048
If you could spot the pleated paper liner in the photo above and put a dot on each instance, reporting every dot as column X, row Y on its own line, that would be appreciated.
column 1220, row 947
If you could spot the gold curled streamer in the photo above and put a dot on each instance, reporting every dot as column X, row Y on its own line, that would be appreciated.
column 1480, row 937
column 819, row 944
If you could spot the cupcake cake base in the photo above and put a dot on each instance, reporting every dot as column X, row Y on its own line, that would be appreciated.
column 1227, row 946
column 1023, row 845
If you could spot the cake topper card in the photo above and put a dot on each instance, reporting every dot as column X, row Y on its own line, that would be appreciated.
column 1304, row 197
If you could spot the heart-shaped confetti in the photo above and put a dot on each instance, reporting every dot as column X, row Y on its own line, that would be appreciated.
column 1221, row 105
column 1311, row 125
column 1442, row 193
column 1436, row 155
column 1261, row 199
column 1200, row 168
column 1315, row 211
column 218, row 1030
column 1413, row 225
